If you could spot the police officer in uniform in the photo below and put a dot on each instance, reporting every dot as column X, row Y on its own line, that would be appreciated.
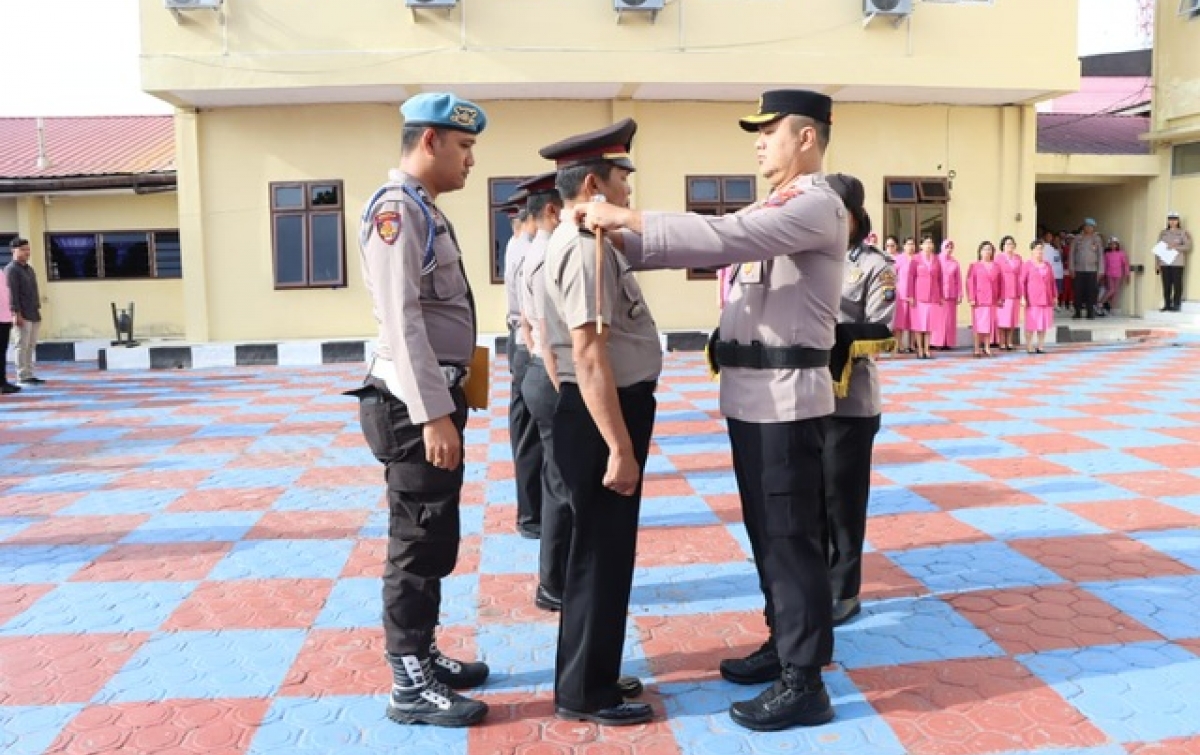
column 545, row 206
column 864, row 330
column 773, row 351
column 605, row 355
column 522, row 431
column 412, row 406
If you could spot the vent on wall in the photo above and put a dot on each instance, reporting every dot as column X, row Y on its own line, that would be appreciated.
column 191, row 4
column 431, row 3
column 888, row 7
column 641, row 6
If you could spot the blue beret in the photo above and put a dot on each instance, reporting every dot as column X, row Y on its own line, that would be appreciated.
column 443, row 110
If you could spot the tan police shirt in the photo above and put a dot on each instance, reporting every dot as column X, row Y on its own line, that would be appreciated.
column 868, row 296
column 1087, row 253
column 514, row 260
column 532, row 289
column 1181, row 240
column 785, row 291
column 570, row 279
column 425, row 318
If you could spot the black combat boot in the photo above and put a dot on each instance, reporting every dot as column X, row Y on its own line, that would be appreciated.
column 456, row 674
column 418, row 697
column 797, row 699
column 760, row 666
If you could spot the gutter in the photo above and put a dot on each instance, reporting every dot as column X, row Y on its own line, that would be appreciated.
column 147, row 183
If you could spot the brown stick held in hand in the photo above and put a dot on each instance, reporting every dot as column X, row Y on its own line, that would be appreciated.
column 599, row 271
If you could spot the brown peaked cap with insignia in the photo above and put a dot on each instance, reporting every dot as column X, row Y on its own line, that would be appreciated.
column 611, row 143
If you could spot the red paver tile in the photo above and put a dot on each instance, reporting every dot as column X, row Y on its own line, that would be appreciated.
column 251, row 604
column 1134, row 515
column 683, row 649
column 508, row 599
column 161, row 432
column 523, row 725
column 883, row 579
column 468, row 555
column 969, row 495
column 53, row 669
column 1192, row 644
column 1037, row 619
column 499, row 470
column 27, row 437
column 473, row 493
column 14, row 599
column 366, row 559
column 665, row 485
column 1074, row 424
column 310, row 428
column 967, row 707
column 683, row 546
column 182, row 562
column 37, row 504
column 901, row 531
column 324, row 477
column 348, row 440
column 308, row 525
column 979, row 415
column 1016, row 468
column 1054, row 443
column 220, row 445
column 689, row 427
column 1088, row 558
column 226, row 499
column 304, row 457
column 903, row 453
column 1190, row 434
column 940, row 431
column 214, row 727
column 1178, row 456
column 1177, row 746
column 162, row 479
column 339, row 662
column 70, row 450
column 705, row 462
column 78, row 530
column 500, row 519
column 727, row 506
column 1156, row 483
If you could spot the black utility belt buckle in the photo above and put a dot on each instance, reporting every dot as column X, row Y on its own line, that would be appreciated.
column 455, row 375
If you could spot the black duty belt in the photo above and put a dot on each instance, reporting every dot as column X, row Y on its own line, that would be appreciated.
column 758, row 357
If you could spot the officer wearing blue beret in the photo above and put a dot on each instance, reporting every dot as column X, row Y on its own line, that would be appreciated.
column 412, row 405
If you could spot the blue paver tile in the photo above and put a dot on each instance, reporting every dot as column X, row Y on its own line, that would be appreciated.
column 206, row 665
column 974, row 448
column 123, row 501
column 1181, row 545
column 508, row 554
column 352, row 602
column 717, row 482
column 30, row 730
column 354, row 457
column 1165, row 604
column 65, row 482
column 289, row 443
column 252, row 477
column 183, row 462
column 1141, row 692
column 220, row 429
column 909, row 630
column 676, row 511
column 1070, row 489
column 284, row 559
column 698, row 589
column 336, row 498
column 47, row 564
column 194, row 527
column 1015, row 522
column 101, row 607
column 682, row 445
column 87, row 433
column 1102, row 462
column 499, row 452
column 975, row 566
column 886, row 500
column 930, row 472
column 521, row 656
column 347, row 726
column 1132, row 438
column 1002, row 428
column 11, row 525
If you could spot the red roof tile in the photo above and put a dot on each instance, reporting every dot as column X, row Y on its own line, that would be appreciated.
column 1092, row 134
column 93, row 146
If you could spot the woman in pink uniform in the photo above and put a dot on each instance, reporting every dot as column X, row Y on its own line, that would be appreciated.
column 1008, row 314
column 926, row 280
column 945, row 318
column 1116, row 274
column 1040, row 293
column 902, row 317
column 983, row 294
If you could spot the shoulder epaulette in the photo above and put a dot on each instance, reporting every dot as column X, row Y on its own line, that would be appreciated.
column 428, row 258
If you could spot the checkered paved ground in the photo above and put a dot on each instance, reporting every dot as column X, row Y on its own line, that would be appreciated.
column 189, row 564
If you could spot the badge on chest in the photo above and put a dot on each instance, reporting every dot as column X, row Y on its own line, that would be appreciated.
column 751, row 273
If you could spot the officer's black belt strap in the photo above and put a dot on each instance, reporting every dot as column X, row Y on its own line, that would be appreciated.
column 756, row 356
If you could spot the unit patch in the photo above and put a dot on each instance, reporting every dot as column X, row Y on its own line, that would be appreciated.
column 387, row 225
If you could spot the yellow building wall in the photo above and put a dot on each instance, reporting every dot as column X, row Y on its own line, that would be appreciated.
column 282, row 44
column 1176, row 72
column 245, row 149
column 8, row 216
column 80, row 309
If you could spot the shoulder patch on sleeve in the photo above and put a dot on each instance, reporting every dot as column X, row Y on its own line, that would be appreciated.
column 887, row 277
column 387, row 225
column 779, row 199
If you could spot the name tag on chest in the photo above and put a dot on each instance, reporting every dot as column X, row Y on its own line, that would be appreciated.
column 751, row 273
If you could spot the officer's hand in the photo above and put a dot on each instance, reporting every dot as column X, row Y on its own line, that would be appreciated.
column 602, row 216
column 622, row 474
column 443, row 449
column 20, row 321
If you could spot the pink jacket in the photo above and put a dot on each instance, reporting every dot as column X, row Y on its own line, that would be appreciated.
column 1010, row 274
column 952, row 287
column 1116, row 263
column 1037, row 284
column 926, row 278
column 904, row 273
column 5, row 302
column 983, row 284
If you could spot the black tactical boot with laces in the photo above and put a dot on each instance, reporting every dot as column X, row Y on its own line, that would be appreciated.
column 797, row 699
column 757, row 668
column 456, row 674
column 418, row 697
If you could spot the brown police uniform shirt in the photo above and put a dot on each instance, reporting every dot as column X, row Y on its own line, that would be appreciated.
column 570, row 279
column 532, row 289
column 1181, row 240
column 425, row 318
column 868, row 296
column 1087, row 253
column 785, row 291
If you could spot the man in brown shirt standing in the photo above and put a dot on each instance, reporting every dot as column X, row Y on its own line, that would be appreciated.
column 776, row 333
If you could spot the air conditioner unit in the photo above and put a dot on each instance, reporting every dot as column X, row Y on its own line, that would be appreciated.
column 887, row 7
column 648, row 5
column 1189, row 7
column 192, row 4
column 431, row 3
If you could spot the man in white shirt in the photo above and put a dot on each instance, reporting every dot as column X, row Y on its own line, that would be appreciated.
column 1054, row 257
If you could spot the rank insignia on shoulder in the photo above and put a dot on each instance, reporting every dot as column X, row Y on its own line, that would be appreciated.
column 779, row 199
column 387, row 225
column 888, row 277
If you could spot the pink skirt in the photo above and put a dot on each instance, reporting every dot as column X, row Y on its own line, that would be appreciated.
column 983, row 319
column 1008, row 314
column 900, row 317
column 921, row 317
column 944, row 325
column 1039, row 318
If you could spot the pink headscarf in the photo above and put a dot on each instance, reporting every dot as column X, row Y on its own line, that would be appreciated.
column 946, row 244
